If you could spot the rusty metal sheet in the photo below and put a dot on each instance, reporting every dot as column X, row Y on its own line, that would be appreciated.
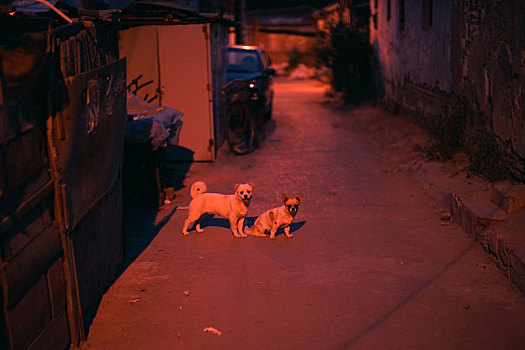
column 88, row 137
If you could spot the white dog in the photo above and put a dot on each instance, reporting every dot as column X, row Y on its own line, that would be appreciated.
column 233, row 207
column 271, row 220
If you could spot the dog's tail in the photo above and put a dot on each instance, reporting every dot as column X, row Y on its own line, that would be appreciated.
column 197, row 188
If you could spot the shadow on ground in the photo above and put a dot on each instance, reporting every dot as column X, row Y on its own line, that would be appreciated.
column 144, row 199
column 145, row 177
column 403, row 302
column 213, row 221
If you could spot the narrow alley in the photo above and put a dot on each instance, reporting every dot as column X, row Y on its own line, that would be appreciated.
column 370, row 265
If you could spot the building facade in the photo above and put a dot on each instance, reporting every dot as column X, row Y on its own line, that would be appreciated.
column 433, row 54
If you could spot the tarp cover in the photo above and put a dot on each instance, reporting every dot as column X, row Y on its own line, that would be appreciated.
column 151, row 122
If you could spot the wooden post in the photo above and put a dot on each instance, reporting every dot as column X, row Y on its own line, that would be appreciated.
column 74, row 309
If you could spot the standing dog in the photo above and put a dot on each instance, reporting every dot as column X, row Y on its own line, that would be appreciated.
column 273, row 219
column 233, row 207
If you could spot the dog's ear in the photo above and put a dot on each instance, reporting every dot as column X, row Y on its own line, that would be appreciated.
column 236, row 187
column 252, row 185
column 284, row 197
column 299, row 197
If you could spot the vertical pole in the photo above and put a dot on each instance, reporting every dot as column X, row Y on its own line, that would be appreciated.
column 239, row 19
column 160, row 88
column 206, row 28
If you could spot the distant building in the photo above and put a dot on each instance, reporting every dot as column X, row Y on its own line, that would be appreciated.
column 282, row 31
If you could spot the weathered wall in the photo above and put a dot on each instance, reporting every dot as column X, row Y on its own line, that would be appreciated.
column 421, row 56
column 33, row 294
column 38, row 208
column 33, row 282
column 493, row 70
column 474, row 52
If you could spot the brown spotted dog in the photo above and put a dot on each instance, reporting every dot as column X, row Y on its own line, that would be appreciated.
column 271, row 220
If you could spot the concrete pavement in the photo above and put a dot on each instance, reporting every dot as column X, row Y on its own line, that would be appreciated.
column 371, row 265
column 492, row 214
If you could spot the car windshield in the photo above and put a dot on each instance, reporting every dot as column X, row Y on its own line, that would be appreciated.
column 243, row 61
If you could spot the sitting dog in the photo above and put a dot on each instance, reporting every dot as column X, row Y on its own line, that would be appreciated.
column 273, row 219
column 233, row 207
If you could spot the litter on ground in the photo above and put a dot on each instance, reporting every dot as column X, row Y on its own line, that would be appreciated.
column 212, row 330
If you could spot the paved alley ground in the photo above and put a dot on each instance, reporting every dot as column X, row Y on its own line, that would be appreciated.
column 370, row 265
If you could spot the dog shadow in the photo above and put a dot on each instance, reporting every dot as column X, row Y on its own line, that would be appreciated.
column 210, row 220
column 293, row 227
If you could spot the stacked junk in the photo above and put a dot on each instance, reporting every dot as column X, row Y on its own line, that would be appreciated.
column 65, row 117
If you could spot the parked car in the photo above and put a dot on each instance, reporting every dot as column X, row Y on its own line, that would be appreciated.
column 253, row 64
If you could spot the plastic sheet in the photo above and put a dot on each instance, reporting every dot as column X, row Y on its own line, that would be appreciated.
column 151, row 123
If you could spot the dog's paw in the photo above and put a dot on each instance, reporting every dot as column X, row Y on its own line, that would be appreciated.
column 273, row 237
column 289, row 235
column 200, row 230
column 185, row 233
